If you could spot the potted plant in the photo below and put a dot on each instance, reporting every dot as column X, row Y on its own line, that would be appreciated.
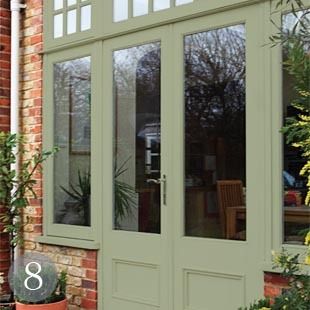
column 124, row 195
column 17, row 187
column 56, row 301
column 78, row 204
column 78, row 207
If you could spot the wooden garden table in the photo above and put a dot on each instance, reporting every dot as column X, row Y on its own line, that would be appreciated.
column 299, row 215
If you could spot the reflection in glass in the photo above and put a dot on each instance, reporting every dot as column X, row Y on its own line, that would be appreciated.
column 72, row 110
column 71, row 22
column 296, row 215
column 85, row 17
column 120, row 11
column 58, row 4
column 58, row 26
column 161, row 5
column 140, row 7
column 137, row 138
column 215, row 133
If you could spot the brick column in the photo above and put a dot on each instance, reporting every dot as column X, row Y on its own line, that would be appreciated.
column 5, row 48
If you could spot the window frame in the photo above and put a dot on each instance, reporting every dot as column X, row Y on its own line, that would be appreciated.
column 275, row 78
column 51, row 229
column 103, row 25
column 48, row 23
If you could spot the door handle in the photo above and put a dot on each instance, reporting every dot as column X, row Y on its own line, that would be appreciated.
column 162, row 181
column 155, row 181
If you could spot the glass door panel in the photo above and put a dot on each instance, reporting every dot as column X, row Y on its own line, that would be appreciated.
column 215, row 148
column 137, row 138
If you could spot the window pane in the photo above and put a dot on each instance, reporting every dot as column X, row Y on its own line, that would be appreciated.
column 140, row 7
column 58, row 4
column 215, row 149
column 120, row 10
column 71, row 2
column 85, row 17
column 72, row 104
column 296, row 215
column 71, row 22
column 58, row 25
column 180, row 2
column 137, row 138
column 161, row 4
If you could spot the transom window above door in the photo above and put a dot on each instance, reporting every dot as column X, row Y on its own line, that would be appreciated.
column 126, row 9
column 71, row 16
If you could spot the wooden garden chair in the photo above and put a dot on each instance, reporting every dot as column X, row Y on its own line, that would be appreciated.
column 229, row 194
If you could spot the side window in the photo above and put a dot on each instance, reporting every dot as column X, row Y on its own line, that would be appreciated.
column 296, row 216
column 72, row 116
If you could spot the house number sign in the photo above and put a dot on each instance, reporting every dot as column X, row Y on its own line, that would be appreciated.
column 33, row 277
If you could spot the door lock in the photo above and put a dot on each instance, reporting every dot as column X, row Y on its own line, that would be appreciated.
column 162, row 181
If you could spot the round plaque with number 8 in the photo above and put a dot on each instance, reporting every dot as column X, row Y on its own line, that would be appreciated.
column 33, row 277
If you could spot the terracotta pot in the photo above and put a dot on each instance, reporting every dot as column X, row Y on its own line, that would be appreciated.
column 60, row 305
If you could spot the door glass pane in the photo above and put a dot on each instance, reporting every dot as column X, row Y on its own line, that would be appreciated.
column 215, row 177
column 137, row 138
column 72, row 106
column 140, row 7
column 296, row 215
column 161, row 5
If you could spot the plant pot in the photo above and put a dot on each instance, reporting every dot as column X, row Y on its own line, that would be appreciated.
column 60, row 305
column 72, row 215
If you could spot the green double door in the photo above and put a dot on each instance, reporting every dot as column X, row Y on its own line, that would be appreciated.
column 183, row 110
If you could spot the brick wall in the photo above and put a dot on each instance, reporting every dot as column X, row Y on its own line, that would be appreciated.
column 274, row 283
column 81, row 265
column 5, row 47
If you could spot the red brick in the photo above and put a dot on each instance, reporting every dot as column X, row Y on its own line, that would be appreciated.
column 36, row 39
column 91, row 274
column 4, row 128
column 89, row 304
column 272, row 291
column 91, row 295
column 4, row 265
column 4, row 102
column 91, row 254
column 88, row 263
column 89, row 284
column 275, row 279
